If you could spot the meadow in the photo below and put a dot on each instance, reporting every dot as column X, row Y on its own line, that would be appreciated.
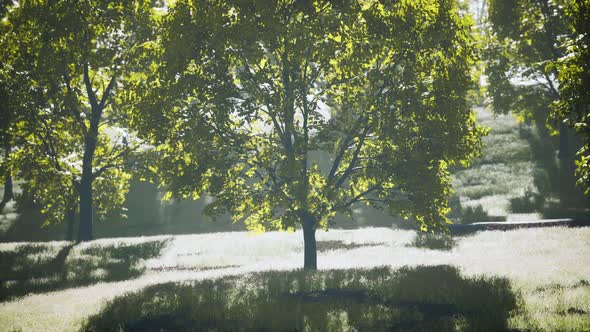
column 527, row 279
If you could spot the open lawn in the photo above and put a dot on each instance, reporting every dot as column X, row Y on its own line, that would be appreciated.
column 504, row 171
column 534, row 279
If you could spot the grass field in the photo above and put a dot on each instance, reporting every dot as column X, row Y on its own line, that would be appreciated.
column 56, row 286
column 505, row 170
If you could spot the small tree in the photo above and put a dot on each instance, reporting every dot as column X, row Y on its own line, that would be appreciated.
column 251, row 94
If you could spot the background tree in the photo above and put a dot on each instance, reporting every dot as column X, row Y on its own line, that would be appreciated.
column 521, row 52
column 78, row 53
column 529, row 45
column 251, row 94
column 9, row 93
column 573, row 105
column 7, row 119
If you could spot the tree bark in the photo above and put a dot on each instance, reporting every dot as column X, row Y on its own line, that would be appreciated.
column 8, row 186
column 85, row 226
column 70, row 219
column 564, row 153
column 8, row 190
column 90, row 142
column 309, row 243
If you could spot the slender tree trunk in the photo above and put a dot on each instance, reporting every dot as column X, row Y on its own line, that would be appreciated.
column 85, row 189
column 70, row 220
column 309, row 243
column 85, row 226
column 564, row 153
column 8, row 186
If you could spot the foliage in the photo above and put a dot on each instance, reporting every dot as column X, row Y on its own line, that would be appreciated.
column 422, row 298
column 74, row 56
column 521, row 52
column 538, row 67
column 573, row 106
column 434, row 241
column 288, row 113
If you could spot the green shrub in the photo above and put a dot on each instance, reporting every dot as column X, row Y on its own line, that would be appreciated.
column 474, row 214
column 433, row 241
column 529, row 203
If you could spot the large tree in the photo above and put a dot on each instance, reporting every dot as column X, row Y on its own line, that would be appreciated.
column 77, row 54
column 250, row 95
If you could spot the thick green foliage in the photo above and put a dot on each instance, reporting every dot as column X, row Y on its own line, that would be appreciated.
column 288, row 112
column 71, row 58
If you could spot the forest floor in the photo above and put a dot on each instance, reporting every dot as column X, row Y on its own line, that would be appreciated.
column 57, row 286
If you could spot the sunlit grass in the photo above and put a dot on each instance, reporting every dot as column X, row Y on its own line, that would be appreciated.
column 504, row 171
column 531, row 259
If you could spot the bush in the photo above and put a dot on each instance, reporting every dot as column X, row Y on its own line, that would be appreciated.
column 529, row 203
column 433, row 241
column 474, row 214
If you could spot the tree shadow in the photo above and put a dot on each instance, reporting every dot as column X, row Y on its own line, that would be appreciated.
column 558, row 195
column 37, row 268
column 435, row 298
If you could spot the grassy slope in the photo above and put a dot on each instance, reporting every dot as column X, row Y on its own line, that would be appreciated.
column 504, row 171
column 551, row 277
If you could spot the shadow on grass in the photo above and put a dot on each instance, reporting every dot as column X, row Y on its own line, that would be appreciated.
column 36, row 268
column 434, row 298
column 324, row 246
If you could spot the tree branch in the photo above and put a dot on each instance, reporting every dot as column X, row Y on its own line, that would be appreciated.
column 345, row 145
column 74, row 108
column 354, row 158
column 357, row 198
column 107, row 91
column 110, row 163
column 89, row 90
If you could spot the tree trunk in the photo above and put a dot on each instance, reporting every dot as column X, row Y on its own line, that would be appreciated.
column 8, row 186
column 309, row 243
column 85, row 226
column 564, row 153
column 70, row 219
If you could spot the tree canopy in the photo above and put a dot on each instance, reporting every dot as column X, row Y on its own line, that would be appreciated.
column 537, row 61
column 74, row 56
column 573, row 106
column 287, row 112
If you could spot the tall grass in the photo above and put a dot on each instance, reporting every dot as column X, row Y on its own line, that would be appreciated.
column 421, row 298
column 545, row 266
